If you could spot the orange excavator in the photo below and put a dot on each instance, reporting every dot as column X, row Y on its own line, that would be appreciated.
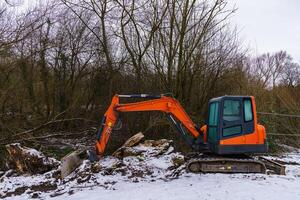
column 231, row 133
column 232, row 126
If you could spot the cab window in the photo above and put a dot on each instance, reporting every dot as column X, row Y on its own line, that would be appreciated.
column 231, row 111
column 248, row 114
column 213, row 114
column 213, row 121
column 231, row 118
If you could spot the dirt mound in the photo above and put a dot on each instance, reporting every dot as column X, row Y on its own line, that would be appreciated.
column 148, row 161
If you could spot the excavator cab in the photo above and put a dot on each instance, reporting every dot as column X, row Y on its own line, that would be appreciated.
column 232, row 126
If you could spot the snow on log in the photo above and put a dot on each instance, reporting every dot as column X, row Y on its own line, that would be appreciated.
column 28, row 160
column 134, row 140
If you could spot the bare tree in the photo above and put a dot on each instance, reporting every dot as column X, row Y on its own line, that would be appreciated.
column 99, row 28
column 291, row 74
column 191, row 45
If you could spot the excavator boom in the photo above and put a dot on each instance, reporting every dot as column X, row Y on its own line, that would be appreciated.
column 162, row 103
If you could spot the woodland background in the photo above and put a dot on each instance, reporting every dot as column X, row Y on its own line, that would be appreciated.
column 62, row 61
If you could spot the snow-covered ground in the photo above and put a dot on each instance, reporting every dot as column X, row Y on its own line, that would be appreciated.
column 152, row 175
column 212, row 186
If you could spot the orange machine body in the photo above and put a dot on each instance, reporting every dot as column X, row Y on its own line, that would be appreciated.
column 247, row 136
column 257, row 137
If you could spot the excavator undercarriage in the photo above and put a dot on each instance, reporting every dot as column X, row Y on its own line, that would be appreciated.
column 208, row 163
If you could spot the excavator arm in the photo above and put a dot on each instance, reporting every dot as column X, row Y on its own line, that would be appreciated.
column 166, row 104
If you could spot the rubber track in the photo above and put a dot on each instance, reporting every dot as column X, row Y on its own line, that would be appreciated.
column 225, row 165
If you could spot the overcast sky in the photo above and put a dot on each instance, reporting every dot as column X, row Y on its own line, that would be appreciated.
column 269, row 25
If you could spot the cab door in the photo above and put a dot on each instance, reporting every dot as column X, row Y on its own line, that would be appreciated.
column 213, row 123
column 232, row 118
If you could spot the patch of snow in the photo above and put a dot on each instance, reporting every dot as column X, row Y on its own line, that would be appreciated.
column 193, row 186
column 292, row 157
column 34, row 152
column 109, row 161
column 146, row 177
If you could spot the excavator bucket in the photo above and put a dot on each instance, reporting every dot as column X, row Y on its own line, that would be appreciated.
column 72, row 160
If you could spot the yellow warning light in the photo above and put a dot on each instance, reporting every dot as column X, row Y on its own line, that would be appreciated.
column 228, row 167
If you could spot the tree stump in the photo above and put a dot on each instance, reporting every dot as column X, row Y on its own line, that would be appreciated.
column 28, row 160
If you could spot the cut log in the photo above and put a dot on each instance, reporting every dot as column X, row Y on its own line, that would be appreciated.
column 134, row 140
column 28, row 160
